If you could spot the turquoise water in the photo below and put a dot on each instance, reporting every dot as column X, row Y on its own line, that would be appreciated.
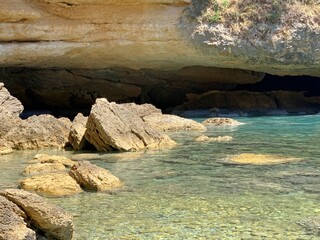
column 190, row 192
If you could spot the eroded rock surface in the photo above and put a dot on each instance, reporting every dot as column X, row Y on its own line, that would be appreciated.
column 43, row 168
column 9, row 105
column 221, row 122
column 172, row 123
column 45, row 158
column 50, row 219
column 51, row 184
column 77, row 132
column 111, row 126
column 204, row 138
column 12, row 223
column 94, row 178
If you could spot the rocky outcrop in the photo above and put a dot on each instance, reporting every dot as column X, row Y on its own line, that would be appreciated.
column 9, row 105
column 252, row 102
column 94, row 178
column 52, row 184
column 77, row 132
column 45, row 158
column 48, row 218
column 43, row 168
column 172, row 123
column 8, row 122
column 142, row 110
column 111, row 126
column 221, row 122
column 99, row 34
column 43, row 131
column 12, row 222
column 204, row 138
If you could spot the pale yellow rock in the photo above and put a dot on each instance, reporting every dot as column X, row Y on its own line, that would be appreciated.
column 221, row 122
column 260, row 159
column 204, row 138
column 172, row 123
column 45, row 158
column 53, row 184
column 43, row 168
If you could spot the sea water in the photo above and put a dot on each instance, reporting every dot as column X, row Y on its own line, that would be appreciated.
column 191, row 192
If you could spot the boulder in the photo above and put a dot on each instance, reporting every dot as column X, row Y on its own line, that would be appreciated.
column 36, row 132
column 54, row 222
column 77, row 132
column 8, row 121
column 204, row 138
column 43, row 168
column 142, row 110
column 221, row 122
column 12, row 224
column 9, row 105
column 111, row 126
column 260, row 159
column 172, row 123
column 94, row 178
column 52, row 184
column 45, row 158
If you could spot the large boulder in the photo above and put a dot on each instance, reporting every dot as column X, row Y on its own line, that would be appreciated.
column 54, row 222
column 111, row 126
column 142, row 110
column 172, row 123
column 43, row 168
column 9, row 105
column 12, row 223
column 52, row 184
column 94, row 178
column 77, row 132
column 36, row 132
column 45, row 158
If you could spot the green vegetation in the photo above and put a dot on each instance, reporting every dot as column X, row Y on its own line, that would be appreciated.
column 243, row 14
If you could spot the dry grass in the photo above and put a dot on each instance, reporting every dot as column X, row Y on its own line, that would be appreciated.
column 240, row 15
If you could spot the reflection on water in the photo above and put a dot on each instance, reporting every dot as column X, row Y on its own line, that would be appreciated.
column 189, row 192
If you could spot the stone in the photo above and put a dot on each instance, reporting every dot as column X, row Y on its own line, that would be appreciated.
column 221, row 122
column 77, row 132
column 111, row 126
column 142, row 110
column 172, row 123
column 54, row 222
column 12, row 222
column 45, row 158
column 5, row 148
column 204, row 138
column 51, row 184
column 37, row 132
column 94, row 178
column 9, row 105
column 43, row 168
column 8, row 121
column 260, row 159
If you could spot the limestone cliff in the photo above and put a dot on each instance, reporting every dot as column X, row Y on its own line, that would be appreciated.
column 150, row 34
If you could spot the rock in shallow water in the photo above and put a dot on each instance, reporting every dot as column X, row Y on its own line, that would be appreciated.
column 54, row 222
column 172, row 123
column 52, row 184
column 221, row 122
column 12, row 224
column 111, row 126
column 43, row 168
column 204, row 138
column 260, row 159
column 92, row 177
column 45, row 158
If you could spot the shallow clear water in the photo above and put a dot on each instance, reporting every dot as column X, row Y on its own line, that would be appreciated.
column 190, row 192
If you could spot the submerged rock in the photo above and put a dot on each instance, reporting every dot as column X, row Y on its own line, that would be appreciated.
column 43, row 168
column 36, row 132
column 221, row 122
column 204, row 138
column 92, row 177
column 9, row 105
column 45, row 158
column 77, row 132
column 260, row 159
column 112, row 126
column 52, row 184
column 54, row 222
column 12, row 223
column 8, row 122
column 172, row 123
